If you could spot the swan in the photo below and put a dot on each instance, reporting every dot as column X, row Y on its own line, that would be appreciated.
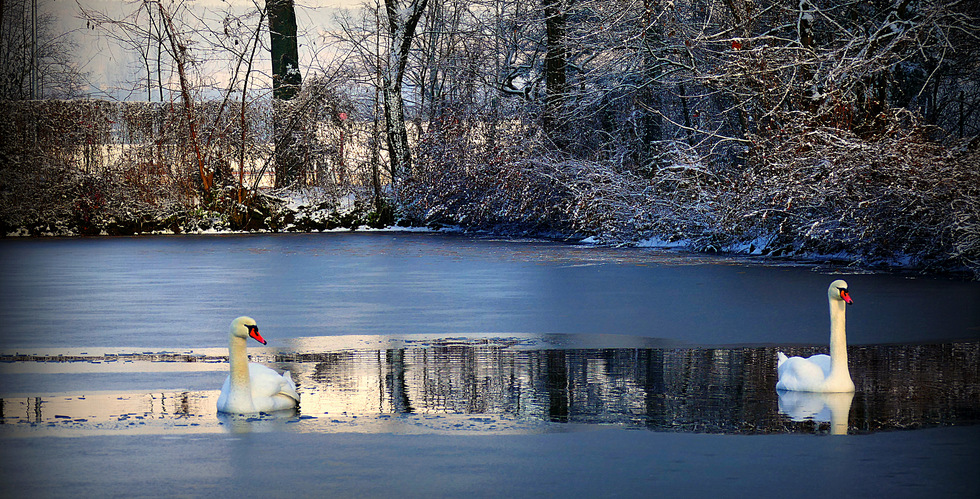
column 253, row 388
column 821, row 373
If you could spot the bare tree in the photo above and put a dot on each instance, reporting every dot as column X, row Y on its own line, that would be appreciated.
column 36, row 61
column 363, row 41
column 403, row 17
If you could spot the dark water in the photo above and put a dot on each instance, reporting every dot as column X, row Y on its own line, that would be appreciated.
column 457, row 334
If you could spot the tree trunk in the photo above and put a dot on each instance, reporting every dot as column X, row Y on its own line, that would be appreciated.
column 375, row 141
column 286, row 78
column 400, row 156
column 403, row 17
column 554, row 71
column 179, row 52
column 649, row 95
column 286, row 81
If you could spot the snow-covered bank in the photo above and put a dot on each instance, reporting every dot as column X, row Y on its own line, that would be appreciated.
column 567, row 200
column 768, row 247
column 890, row 200
column 80, row 204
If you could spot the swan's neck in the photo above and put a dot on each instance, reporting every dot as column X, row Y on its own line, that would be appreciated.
column 240, row 391
column 838, row 340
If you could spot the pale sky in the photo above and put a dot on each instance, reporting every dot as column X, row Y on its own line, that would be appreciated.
column 112, row 67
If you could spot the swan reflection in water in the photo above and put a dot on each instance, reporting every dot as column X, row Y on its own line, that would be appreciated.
column 257, row 423
column 818, row 407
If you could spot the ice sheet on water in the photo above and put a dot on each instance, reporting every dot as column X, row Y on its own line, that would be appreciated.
column 505, row 384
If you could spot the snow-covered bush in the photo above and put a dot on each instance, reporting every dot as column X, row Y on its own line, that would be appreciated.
column 514, row 184
column 823, row 190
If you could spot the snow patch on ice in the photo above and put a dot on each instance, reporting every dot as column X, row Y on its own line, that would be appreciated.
column 758, row 246
column 659, row 242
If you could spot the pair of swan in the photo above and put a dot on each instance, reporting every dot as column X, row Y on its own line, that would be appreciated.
column 253, row 388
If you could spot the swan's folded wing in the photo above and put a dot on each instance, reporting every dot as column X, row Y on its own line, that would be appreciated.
column 268, row 383
column 780, row 358
column 797, row 373
column 821, row 360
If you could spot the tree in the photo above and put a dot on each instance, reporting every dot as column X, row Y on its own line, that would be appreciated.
column 361, row 38
column 178, row 50
column 403, row 17
column 554, row 70
column 286, row 77
column 205, row 127
column 36, row 61
column 286, row 81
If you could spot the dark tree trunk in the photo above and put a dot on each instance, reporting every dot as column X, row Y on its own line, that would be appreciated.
column 286, row 78
column 649, row 95
column 286, row 81
column 554, row 71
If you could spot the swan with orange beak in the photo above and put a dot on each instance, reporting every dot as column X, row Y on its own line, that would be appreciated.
column 253, row 388
column 822, row 373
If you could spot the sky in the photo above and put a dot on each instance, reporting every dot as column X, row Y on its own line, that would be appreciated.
column 112, row 67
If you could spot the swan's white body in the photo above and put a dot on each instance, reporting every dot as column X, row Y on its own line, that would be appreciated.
column 253, row 388
column 821, row 373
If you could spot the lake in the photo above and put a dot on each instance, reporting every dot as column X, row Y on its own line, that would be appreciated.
column 174, row 293
column 527, row 331
column 391, row 333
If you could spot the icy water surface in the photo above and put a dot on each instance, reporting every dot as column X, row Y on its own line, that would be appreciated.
column 174, row 293
column 502, row 385
column 422, row 333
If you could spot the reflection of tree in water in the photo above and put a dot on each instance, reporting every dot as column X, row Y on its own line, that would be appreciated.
column 705, row 390
column 184, row 407
column 395, row 381
column 904, row 386
column 557, row 385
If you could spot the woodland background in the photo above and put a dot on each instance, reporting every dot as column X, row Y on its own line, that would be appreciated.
column 810, row 128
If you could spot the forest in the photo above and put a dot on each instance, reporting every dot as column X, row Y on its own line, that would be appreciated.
column 845, row 130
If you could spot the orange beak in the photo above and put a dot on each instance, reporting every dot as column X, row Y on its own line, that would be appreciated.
column 844, row 295
column 253, row 331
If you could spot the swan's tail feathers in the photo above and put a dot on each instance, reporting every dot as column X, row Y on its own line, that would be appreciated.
column 289, row 387
column 780, row 358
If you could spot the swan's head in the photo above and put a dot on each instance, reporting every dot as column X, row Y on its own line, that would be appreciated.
column 838, row 291
column 245, row 327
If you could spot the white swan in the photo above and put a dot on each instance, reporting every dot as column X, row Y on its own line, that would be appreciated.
column 822, row 373
column 253, row 388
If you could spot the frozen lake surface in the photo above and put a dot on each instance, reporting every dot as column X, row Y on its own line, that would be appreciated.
column 410, row 339
column 175, row 293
